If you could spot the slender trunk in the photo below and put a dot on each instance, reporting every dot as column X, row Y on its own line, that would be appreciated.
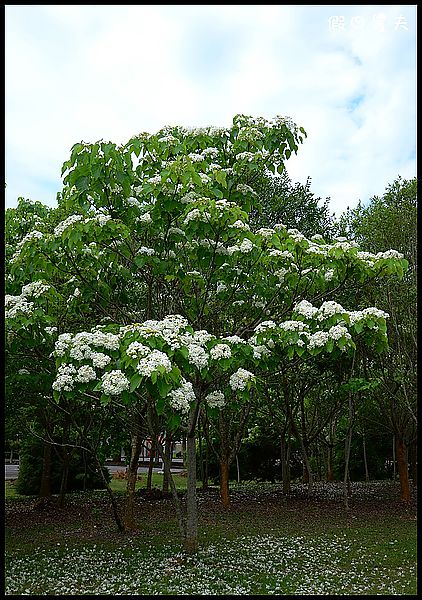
column 191, row 539
column 115, row 508
column 346, row 480
column 306, row 464
column 330, row 471
column 237, row 469
column 224, row 481
column 205, row 480
column 177, row 504
column 151, row 465
column 132, row 475
column 45, row 487
column 65, row 477
column 365, row 458
column 285, row 469
column 167, row 452
column 401, row 452
column 151, row 418
column 394, row 458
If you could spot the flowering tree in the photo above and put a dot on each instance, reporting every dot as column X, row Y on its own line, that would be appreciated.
column 198, row 302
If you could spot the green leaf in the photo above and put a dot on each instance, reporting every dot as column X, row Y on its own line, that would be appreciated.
column 135, row 381
column 104, row 400
column 81, row 183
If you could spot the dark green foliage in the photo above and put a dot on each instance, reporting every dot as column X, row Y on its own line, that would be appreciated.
column 83, row 474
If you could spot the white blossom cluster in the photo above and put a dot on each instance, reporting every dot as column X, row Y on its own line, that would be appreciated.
column 371, row 311
column 264, row 326
column 197, row 356
column 147, row 251
column 246, row 246
column 114, row 382
column 281, row 253
column 20, row 304
column 144, row 218
column 240, row 379
column 243, row 188
column 318, row 339
column 197, row 215
column 266, row 232
column 220, row 351
column 168, row 329
column 85, row 373
column 339, row 331
column 328, row 309
column 305, row 308
column 136, row 349
column 58, row 230
column 215, row 399
column 99, row 359
column 100, row 219
column 132, row 201
column 32, row 235
column 181, row 397
column 240, row 225
column 64, row 378
column 150, row 363
column 84, row 340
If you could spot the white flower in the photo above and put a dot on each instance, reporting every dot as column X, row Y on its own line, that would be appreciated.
column 220, row 351
column 144, row 218
column 246, row 246
column 318, row 339
column 305, row 308
column 182, row 396
column 197, row 356
column 215, row 399
column 240, row 378
column 85, row 373
column 136, row 348
column 264, row 326
column 145, row 250
column 150, row 363
column 66, row 223
column 114, row 382
column 64, row 380
column 99, row 359
column 338, row 331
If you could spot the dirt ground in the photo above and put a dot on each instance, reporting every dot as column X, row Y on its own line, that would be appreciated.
column 89, row 515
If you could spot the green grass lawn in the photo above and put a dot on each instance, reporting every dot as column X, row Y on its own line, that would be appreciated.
column 263, row 545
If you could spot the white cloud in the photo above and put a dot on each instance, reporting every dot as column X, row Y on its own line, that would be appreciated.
column 78, row 72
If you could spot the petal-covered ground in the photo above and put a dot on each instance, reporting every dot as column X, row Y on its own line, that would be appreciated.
column 267, row 543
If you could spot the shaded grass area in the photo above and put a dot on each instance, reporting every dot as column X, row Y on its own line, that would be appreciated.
column 266, row 543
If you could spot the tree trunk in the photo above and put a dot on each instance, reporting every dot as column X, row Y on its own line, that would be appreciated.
column 285, row 467
column 224, row 481
column 45, row 487
column 65, row 476
column 365, row 458
column 132, row 475
column 167, row 452
column 115, row 508
column 191, row 539
column 394, row 458
column 151, row 465
column 401, row 453
column 330, row 471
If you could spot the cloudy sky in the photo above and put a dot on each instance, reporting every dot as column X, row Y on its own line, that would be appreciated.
column 346, row 73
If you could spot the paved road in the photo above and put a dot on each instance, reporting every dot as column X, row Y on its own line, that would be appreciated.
column 11, row 471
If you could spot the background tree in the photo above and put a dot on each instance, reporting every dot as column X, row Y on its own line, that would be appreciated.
column 390, row 221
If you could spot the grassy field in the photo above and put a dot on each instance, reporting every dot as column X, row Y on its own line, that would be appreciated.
column 266, row 543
